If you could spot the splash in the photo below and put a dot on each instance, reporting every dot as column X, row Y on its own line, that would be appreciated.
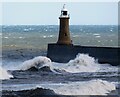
column 36, row 62
column 82, row 63
column 93, row 87
column 4, row 74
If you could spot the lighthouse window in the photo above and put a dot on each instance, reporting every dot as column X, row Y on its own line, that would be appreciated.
column 64, row 12
column 65, row 34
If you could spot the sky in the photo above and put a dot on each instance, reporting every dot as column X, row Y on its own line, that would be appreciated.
column 47, row 13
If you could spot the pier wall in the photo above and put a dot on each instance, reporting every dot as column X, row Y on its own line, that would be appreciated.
column 64, row 53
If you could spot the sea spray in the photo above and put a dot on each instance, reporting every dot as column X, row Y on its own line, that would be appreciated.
column 4, row 74
column 82, row 63
column 36, row 62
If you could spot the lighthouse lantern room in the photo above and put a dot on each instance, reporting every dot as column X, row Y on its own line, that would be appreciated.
column 64, row 12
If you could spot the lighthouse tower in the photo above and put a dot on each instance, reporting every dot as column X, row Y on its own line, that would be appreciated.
column 64, row 35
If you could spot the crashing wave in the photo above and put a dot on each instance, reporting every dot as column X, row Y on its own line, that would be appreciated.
column 4, row 74
column 82, row 63
column 37, row 62
column 93, row 87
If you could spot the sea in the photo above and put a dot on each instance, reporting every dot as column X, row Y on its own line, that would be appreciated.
column 26, row 71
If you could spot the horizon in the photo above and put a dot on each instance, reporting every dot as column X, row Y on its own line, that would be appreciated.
column 58, row 25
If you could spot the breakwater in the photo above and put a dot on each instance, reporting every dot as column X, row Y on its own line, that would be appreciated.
column 64, row 53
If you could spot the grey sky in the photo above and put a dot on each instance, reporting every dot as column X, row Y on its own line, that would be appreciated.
column 47, row 13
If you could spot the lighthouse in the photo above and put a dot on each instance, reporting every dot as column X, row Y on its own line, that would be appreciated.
column 63, row 51
column 64, row 34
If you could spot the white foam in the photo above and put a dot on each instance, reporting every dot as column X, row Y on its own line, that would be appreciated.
column 96, row 34
column 6, row 37
column 93, row 87
column 82, row 63
column 111, row 30
column 75, row 35
column 28, row 29
column 108, row 68
column 99, row 41
column 13, row 45
column 20, row 37
column 37, row 62
column 4, row 74
column 51, row 36
column 44, row 36
column 111, row 40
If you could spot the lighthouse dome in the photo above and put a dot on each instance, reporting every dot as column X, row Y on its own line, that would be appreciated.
column 64, row 9
column 64, row 12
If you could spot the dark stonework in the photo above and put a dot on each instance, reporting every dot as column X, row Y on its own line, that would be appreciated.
column 64, row 53
column 64, row 34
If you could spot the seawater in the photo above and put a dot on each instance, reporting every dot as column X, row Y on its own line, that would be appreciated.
column 80, row 76
column 25, row 65
column 39, row 36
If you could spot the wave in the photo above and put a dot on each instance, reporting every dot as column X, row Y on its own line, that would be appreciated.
column 48, row 36
column 6, row 37
column 4, row 74
column 96, row 34
column 37, row 92
column 27, row 29
column 37, row 62
column 82, row 63
column 93, row 87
